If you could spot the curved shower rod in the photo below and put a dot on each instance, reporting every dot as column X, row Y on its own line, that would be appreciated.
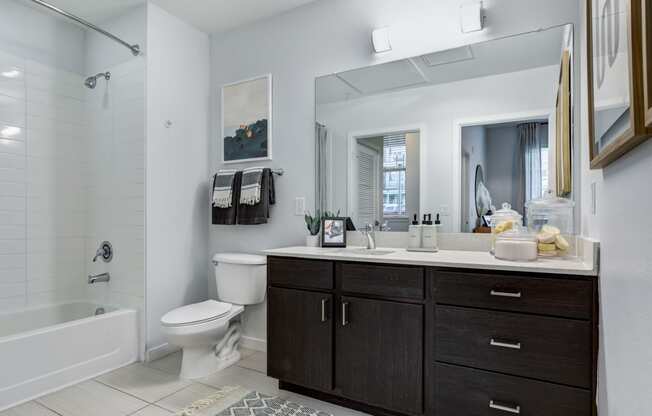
column 135, row 49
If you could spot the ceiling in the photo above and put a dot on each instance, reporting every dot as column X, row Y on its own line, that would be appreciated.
column 510, row 54
column 212, row 16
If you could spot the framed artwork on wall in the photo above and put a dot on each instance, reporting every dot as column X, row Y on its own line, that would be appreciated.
column 615, row 77
column 247, row 120
column 563, row 129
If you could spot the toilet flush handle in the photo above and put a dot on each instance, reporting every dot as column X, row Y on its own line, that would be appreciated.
column 214, row 262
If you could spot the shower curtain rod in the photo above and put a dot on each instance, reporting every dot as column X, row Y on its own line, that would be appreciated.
column 135, row 49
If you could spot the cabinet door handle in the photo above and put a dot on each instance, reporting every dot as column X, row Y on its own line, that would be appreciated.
column 505, row 407
column 505, row 344
column 345, row 312
column 504, row 294
column 324, row 317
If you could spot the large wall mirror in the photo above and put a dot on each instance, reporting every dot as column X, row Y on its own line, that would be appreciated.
column 409, row 137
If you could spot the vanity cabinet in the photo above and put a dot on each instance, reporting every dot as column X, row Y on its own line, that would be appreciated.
column 409, row 340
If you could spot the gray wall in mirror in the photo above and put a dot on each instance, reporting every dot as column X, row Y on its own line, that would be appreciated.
column 469, row 106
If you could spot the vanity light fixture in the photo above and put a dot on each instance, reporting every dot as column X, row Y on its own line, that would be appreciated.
column 380, row 40
column 471, row 17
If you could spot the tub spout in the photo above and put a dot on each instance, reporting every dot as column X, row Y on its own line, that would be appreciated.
column 97, row 278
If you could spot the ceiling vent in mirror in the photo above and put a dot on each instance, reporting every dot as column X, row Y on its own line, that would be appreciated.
column 448, row 56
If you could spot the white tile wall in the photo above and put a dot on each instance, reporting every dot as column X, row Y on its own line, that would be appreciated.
column 115, row 186
column 71, row 175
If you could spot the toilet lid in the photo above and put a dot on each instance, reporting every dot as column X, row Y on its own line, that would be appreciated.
column 196, row 313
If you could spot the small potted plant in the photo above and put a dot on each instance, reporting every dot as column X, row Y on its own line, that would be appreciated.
column 313, row 224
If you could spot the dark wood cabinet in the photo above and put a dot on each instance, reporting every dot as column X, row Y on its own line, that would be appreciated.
column 300, row 337
column 394, row 340
column 379, row 348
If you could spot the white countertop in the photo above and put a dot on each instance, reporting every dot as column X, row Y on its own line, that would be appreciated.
column 443, row 258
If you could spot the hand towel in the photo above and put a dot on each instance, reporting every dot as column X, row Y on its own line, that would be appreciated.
column 223, row 188
column 251, row 186
column 259, row 213
column 228, row 216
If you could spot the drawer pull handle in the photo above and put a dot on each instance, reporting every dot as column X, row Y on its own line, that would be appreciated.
column 504, row 407
column 345, row 309
column 505, row 344
column 504, row 294
column 324, row 318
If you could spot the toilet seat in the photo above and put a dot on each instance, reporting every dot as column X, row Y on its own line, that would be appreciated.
column 196, row 313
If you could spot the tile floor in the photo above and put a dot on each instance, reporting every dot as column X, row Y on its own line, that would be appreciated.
column 154, row 389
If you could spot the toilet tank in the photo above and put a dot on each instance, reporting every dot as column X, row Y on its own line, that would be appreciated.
column 241, row 278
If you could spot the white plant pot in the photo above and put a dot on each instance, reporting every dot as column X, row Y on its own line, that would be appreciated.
column 312, row 241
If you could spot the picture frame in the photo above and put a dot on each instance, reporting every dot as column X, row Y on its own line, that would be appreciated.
column 563, row 114
column 617, row 111
column 246, row 132
column 333, row 232
column 646, row 35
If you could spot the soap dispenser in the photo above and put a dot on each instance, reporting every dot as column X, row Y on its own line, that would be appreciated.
column 429, row 235
column 414, row 234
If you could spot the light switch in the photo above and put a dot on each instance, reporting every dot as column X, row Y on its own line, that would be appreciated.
column 299, row 206
column 594, row 202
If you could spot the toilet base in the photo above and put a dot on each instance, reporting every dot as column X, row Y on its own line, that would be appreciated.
column 198, row 362
column 201, row 361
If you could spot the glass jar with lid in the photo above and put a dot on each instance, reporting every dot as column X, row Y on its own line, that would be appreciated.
column 503, row 220
column 551, row 219
column 517, row 244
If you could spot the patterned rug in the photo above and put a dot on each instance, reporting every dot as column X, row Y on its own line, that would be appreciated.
column 237, row 401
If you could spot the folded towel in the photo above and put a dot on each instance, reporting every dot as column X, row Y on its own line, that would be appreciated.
column 259, row 213
column 251, row 184
column 228, row 216
column 223, row 188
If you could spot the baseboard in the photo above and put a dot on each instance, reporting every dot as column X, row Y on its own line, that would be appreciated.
column 160, row 351
column 252, row 343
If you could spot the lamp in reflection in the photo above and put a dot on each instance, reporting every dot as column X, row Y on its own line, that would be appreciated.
column 380, row 40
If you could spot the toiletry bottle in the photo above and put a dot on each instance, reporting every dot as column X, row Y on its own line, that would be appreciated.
column 429, row 235
column 414, row 234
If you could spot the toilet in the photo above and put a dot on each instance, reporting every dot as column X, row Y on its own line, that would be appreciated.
column 209, row 332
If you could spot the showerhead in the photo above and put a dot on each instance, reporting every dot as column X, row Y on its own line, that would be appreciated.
column 91, row 82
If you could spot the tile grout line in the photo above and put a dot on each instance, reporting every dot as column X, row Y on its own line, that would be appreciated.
column 45, row 407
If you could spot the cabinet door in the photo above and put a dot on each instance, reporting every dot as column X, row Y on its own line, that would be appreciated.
column 300, row 337
column 379, row 353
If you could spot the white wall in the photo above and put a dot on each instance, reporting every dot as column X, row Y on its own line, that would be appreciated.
column 437, row 108
column 622, row 223
column 325, row 37
column 177, row 167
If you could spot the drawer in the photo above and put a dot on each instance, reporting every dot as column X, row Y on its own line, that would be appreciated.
column 311, row 274
column 387, row 281
column 545, row 348
column 546, row 296
column 463, row 391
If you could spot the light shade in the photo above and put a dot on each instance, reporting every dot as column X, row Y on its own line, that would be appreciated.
column 471, row 19
column 380, row 40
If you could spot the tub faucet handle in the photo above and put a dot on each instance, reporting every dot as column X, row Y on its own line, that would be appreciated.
column 104, row 251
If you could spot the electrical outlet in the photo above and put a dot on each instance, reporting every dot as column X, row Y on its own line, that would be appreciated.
column 299, row 206
column 444, row 210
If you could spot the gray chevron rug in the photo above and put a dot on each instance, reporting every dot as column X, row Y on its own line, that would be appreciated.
column 238, row 401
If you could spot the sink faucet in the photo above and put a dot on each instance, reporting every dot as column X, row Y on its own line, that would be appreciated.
column 369, row 232
column 97, row 278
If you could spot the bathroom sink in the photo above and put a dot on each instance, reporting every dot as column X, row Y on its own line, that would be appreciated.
column 366, row 251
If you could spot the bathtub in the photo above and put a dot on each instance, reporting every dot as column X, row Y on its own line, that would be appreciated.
column 47, row 348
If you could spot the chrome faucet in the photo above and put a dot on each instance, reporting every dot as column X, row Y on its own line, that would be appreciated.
column 97, row 278
column 104, row 251
column 369, row 232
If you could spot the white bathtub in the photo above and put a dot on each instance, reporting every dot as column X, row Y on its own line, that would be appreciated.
column 45, row 349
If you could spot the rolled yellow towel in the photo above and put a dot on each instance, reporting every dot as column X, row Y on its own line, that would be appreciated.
column 544, row 247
